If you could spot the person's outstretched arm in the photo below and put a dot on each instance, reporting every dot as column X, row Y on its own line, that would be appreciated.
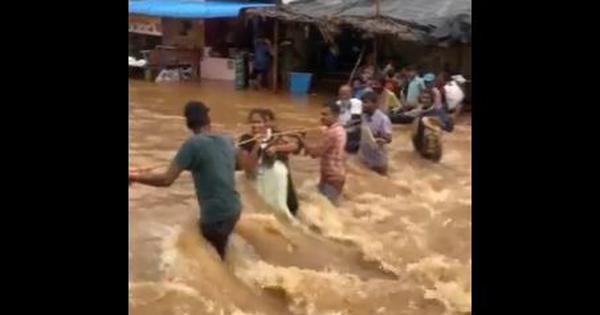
column 285, row 145
column 183, row 161
column 157, row 180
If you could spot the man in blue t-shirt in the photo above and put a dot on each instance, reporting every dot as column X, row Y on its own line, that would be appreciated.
column 212, row 159
column 262, row 62
column 415, row 86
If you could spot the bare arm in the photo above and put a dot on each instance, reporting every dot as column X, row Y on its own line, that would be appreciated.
column 285, row 145
column 157, row 180
column 317, row 150
column 249, row 160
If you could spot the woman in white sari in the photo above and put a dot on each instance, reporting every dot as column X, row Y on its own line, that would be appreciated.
column 265, row 162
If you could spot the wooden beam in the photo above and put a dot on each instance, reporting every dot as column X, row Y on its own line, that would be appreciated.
column 275, row 55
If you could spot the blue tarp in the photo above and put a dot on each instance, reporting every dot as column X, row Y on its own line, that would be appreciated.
column 191, row 9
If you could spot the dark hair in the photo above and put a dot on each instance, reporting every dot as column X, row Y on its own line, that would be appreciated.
column 380, row 77
column 370, row 96
column 196, row 114
column 267, row 113
column 255, row 111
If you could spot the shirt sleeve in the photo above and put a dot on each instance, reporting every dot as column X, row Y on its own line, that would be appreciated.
column 186, row 156
column 386, row 125
column 422, row 84
column 328, row 141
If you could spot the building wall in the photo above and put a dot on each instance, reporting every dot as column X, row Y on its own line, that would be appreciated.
column 147, row 25
column 183, row 33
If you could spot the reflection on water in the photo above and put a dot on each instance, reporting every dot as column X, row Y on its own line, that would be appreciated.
column 397, row 245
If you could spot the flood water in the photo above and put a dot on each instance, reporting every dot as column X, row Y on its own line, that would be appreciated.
column 396, row 245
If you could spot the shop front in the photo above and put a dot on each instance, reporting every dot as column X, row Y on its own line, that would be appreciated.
column 184, row 40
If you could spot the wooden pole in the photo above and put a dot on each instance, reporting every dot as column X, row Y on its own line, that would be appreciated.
column 362, row 52
column 275, row 55
column 377, row 7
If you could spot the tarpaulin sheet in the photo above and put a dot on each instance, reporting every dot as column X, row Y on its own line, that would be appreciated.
column 190, row 9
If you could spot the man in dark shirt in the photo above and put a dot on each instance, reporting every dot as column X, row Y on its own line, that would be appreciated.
column 211, row 158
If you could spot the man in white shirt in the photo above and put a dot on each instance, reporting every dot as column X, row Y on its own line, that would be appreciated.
column 349, row 106
column 349, row 118
column 454, row 93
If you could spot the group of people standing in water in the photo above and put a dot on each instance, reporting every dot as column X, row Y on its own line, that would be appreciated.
column 430, row 102
column 350, row 125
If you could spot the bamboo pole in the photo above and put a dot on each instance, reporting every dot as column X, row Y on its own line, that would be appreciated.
column 283, row 133
column 161, row 165
column 360, row 56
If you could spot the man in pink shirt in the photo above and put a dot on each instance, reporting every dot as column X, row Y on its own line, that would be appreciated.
column 332, row 154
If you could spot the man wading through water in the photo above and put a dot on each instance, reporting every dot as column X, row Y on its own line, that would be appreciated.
column 211, row 158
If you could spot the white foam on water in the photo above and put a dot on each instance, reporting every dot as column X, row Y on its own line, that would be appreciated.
column 304, row 288
column 449, row 281
column 393, row 222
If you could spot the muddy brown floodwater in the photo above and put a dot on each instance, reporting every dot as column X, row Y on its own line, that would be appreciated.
column 397, row 245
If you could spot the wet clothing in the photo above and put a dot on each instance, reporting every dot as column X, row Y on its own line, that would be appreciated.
column 348, row 108
column 427, row 143
column 331, row 191
column 272, row 184
column 375, row 126
column 379, row 123
column 217, row 233
column 414, row 89
column 274, row 172
column 353, row 137
column 351, row 111
column 211, row 159
column 454, row 95
column 333, row 159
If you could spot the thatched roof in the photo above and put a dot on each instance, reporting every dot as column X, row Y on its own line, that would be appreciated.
column 406, row 19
